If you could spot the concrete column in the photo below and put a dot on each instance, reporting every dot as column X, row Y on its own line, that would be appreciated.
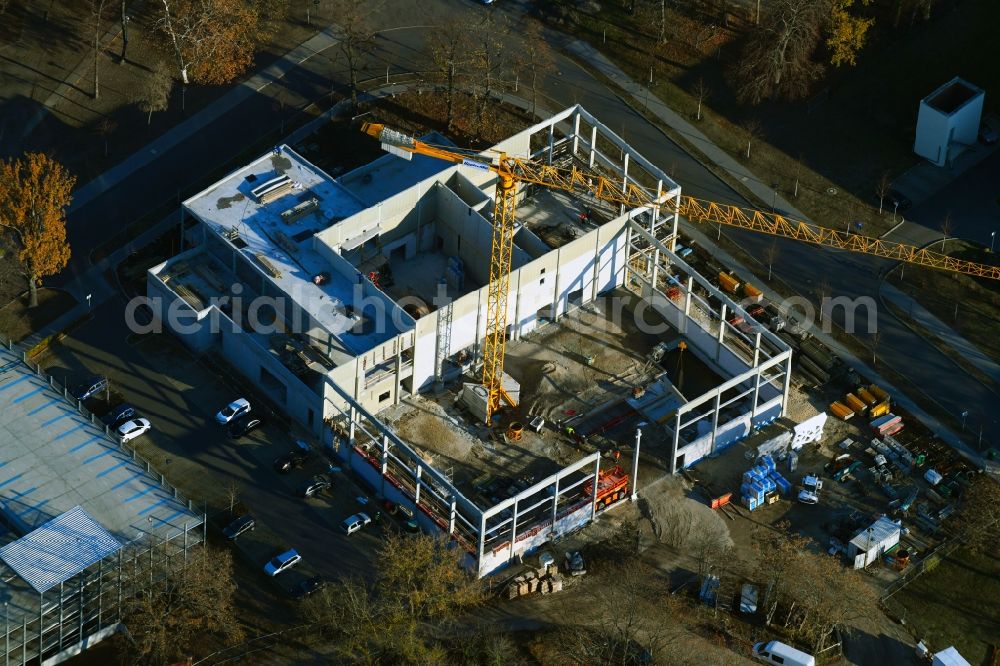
column 552, row 141
column 399, row 371
column 482, row 544
column 557, row 297
column 513, row 532
column 593, row 145
column 595, row 283
column 385, row 463
column 635, row 466
column 756, row 350
column 788, row 385
column 555, row 505
column 416, row 491
column 359, row 375
column 625, row 172
column 722, row 332
column 451, row 516
column 687, row 304
column 576, row 132
column 627, row 270
column 350, row 428
column 597, row 477
column 515, row 329
column 676, row 443
column 756, row 396
column 715, row 418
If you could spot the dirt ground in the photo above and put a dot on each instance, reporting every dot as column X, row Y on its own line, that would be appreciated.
column 18, row 321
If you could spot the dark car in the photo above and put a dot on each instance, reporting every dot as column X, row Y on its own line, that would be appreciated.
column 119, row 415
column 318, row 484
column 897, row 201
column 239, row 526
column 306, row 587
column 290, row 461
column 90, row 387
column 243, row 425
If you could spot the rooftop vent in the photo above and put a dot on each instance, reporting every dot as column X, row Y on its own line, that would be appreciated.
column 300, row 210
column 273, row 189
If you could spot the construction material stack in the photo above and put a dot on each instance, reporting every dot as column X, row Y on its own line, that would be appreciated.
column 762, row 484
column 887, row 425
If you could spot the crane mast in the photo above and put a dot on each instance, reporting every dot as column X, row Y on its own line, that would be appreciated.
column 513, row 170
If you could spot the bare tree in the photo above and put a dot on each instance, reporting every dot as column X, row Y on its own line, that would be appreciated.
column 490, row 60
column 233, row 492
column 450, row 47
column 154, row 93
column 535, row 59
column 777, row 58
column 357, row 40
column 97, row 16
column 876, row 340
column 947, row 227
column 882, row 189
column 124, row 18
column 823, row 292
column 186, row 603
column 753, row 130
column 978, row 521
column 702, row 92
column 771, row 253
column 105, row 127
column 213, row 40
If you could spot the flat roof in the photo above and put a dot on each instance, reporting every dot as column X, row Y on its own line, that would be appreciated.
column 59, row 549
column 952, row 96
column 389, row 175
column 229, row 207
column 879, row 531
column 52, row 459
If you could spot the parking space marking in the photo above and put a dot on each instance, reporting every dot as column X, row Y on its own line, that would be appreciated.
column 12, row 479
column 37, row 507
column 18, row 494
column 126, row 481
column 120, row 463
column 17, row 381
column 155, row 506
column 98, row 456
column 173, row 516
column 22, row 398
column 78, row 426
column 85, row 443
column 45, row 405
column 139, row 494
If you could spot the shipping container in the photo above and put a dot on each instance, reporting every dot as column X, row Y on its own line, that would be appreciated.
column 855, row 403
column 753, row 293
column 878, row 392
column 881, row 409
column 869, row 399
column 728, row 283
column 841, row 411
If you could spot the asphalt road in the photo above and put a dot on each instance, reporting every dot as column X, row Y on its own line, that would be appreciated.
column 180, row 397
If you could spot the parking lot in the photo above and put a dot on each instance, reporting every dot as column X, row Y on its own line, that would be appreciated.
column 180, row 395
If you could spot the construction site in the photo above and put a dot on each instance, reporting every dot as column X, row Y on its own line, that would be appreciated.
column 381, row 322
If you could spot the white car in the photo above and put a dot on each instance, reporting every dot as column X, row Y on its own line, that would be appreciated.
column 282, row 562
column 355, row 523
column 233, row 410
column 134, row 428
column 808, row 497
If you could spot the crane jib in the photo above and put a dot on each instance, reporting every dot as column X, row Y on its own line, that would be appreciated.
column 476, row 165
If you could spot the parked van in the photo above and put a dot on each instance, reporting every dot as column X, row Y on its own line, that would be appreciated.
column 776, row 652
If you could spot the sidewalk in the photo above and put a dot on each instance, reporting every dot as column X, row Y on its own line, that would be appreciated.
column 143, row 157
column 945, row 333
column 640, row 97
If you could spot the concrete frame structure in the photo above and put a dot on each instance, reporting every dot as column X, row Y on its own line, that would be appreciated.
column 348, row 371
column 948, row 121
column 55, row 456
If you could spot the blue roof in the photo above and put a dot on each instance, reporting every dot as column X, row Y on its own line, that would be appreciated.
column 59, row 549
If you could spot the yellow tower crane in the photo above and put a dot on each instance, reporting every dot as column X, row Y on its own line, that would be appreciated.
column 513, row 170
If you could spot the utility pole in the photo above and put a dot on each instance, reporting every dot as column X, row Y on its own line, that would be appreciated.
column 635, row 465
column 125, row 20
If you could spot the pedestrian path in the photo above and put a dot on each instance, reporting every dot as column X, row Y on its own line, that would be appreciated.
column 941, row 330
column 316, row 44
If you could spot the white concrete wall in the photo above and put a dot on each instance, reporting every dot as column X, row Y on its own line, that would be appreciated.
column 932, row 134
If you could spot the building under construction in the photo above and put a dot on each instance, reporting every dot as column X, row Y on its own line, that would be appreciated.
column 350, row 302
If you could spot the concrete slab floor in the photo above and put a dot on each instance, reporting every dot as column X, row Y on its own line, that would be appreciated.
column 554, row 216
column 420, row 277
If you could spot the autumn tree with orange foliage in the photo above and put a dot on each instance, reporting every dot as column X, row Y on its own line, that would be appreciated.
column 213, row 40
column 34, row 193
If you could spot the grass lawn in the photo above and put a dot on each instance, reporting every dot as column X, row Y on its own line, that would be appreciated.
column 17, row 321
column 957, row 603
column 975, row 301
